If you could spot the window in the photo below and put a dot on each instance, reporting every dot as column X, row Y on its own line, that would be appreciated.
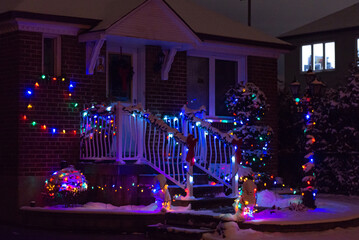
column 197, row 79
column 209, row 78
column 357, row 54
column 318, row 57
column 226, row 76
column 51, row 56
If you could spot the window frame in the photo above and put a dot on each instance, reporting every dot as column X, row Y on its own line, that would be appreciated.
column 312, row 56
column 357, row 51
column 57, row 53
column 241, row 77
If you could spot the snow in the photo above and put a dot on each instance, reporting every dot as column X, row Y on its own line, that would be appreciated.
column 234, row 232
column 329, row 208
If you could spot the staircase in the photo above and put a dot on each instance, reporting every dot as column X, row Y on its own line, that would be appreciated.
column 130, row 134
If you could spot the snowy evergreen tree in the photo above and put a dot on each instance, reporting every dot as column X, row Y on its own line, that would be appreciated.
column 247, row 103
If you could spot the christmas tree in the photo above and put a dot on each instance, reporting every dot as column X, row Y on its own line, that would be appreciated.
column 247, row 103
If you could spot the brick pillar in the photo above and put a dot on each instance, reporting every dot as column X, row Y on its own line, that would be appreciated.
column 262, row 71
column 165, row 96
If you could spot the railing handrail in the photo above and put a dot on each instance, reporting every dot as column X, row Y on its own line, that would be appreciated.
column 155, row 120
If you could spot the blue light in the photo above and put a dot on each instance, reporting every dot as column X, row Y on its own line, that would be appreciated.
column 307, row 116
column 53, row 130
column 71, row 86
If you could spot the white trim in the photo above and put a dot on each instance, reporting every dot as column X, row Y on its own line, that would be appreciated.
column 49, row 27
column 166, row 66
column 92, row 52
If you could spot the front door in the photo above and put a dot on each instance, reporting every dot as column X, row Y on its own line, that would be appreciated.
column 121, row 81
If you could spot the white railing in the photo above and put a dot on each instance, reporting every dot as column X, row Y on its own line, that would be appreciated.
column 98, row 135
column 129, row 133
column 214, row 153
column 121, row 134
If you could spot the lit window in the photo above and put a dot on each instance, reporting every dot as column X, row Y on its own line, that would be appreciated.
column 330, row 55
column 306, row 58
column 323, row 57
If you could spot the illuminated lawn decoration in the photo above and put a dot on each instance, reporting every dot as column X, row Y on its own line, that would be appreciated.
column 64, row 186
column 161, row 193
column 244, row 204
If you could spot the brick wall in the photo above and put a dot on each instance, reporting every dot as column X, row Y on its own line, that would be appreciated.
column 165, row 96
column 40, row 152
column 263, row 72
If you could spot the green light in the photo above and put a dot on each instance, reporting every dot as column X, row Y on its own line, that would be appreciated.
column 43, row 76
column 33, row 123
column 253, row 95
column 254, row 159
column 76, row 104
column 258, row 118
column 260, row 138
column 297, row 99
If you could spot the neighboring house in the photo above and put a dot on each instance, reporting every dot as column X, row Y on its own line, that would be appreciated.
column 170, row 52
column 327, row 46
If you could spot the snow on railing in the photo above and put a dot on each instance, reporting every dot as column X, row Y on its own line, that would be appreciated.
column 98, row 133
column 214, row 153
column 123, row 133
column 164, row 146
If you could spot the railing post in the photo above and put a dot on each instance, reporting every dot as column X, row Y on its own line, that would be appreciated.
column 119, row 123
column 189, row 175
column 140, row 136
column 235, row 176
column 190, row 179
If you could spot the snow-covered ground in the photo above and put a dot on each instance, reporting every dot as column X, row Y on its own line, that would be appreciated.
column 234, row 233
column 330, row 208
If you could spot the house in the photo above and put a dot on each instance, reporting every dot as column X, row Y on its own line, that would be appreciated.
column 327, row 46
column 58, row 57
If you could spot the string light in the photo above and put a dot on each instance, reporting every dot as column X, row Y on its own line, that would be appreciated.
column 29, row 93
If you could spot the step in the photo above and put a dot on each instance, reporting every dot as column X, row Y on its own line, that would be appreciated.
column 198, row 178
column 175, row 232
column 217, row 203
column 201, row 190
column 189, row 220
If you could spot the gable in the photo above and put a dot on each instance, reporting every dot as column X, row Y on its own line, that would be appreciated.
column 153, row 20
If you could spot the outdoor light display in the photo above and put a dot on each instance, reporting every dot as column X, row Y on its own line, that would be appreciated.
column 31, row 92
column 247, row 103
column 67, row 181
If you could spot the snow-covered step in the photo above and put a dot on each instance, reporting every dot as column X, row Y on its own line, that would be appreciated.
column 199, row 190
column 161, row 231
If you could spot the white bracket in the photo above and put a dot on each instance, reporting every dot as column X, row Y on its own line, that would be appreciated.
column 166, row 66
column 92, row 52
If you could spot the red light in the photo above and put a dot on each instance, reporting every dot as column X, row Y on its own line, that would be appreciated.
column 37, row 84
column 24, row 117
column 308, row 182
column 54, row 79
column 74, row 132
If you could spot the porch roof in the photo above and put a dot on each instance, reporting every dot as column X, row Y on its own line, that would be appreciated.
column 205, row 24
